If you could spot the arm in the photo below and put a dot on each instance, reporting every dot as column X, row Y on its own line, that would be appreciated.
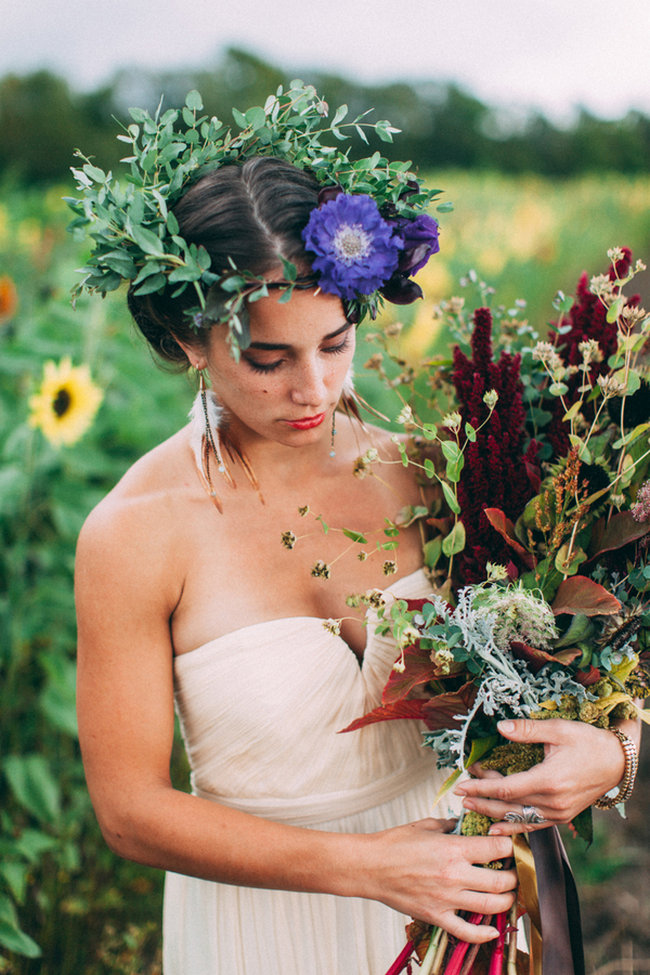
column 581, row 764
column 125, row 598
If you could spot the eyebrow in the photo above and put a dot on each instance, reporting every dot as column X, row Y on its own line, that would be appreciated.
column 272, row 346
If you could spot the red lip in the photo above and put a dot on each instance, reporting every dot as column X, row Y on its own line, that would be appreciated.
column 307, row 422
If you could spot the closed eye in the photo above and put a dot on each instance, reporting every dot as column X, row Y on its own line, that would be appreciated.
column 266, row 367
column 263, row 366
column 340, row 346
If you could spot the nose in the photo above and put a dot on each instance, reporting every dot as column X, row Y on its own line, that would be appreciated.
column 309, row 387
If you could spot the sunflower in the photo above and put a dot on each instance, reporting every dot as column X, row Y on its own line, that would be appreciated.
column 8, row 298
column 66, row 403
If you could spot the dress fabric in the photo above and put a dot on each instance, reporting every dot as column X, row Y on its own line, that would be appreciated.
column 260, row 710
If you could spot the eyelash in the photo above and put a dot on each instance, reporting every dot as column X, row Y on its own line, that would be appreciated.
column 272, row 366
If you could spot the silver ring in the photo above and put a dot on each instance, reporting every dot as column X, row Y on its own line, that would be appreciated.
column 528, row 815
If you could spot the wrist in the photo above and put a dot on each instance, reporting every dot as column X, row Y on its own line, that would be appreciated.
column 623, row 791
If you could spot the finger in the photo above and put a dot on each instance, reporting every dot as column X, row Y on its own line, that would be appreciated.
column 506, row 788
column 478, row 772
column 436, row 825
column 554, row 731
column 483, row 849
column 498, row 810
column 478, row 902
column 465, row 931
column 492, row 881
column 511, row 829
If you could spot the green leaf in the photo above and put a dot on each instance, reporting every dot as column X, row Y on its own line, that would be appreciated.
column 15, row 939
column 631, row 381
column 558, row 389
column 147, row 241
column 578, row 556
column 33, row 843
column 34, row 785
column 429, row 467
column 572, row 412
column 95, row 173
column 432, row 551
column 194, row 101
column 151, row 267
column 470, row 432
column 239, row 118
column 455, row 468
column 355, row 536
column 450, row 449
column 615, row 309
column 15, row 876
column 455, row 540
column 450, row 498
column 479, row 748
column 256, row 117
column 120, row 262
column 631, row 436
column 154, row 283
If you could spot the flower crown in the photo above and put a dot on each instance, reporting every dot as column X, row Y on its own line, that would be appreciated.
column 369, row 233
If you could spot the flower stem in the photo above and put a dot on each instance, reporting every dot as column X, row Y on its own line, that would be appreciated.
column 496, row 962
column 402, row 959
column 512, row 941
column 432, row 952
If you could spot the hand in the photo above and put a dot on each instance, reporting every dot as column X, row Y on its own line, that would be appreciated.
column 424, row 872
column 581, row 764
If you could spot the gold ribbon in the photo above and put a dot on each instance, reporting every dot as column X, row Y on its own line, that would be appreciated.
column 529, row 898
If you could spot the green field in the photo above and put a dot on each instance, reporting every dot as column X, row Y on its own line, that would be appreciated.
column 61, row 892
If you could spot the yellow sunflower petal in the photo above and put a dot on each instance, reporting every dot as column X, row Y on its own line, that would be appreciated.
column 66, row 404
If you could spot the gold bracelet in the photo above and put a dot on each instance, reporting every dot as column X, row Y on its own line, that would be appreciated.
column 629, row 775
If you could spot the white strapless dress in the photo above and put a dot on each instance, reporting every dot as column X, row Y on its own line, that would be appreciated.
column 260, row 711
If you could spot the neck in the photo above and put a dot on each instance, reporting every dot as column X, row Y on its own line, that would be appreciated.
column 271, row 459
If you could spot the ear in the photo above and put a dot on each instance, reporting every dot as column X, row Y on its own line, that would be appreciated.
column 194, row 352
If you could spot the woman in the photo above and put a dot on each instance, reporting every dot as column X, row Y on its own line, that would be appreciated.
column 300, row 850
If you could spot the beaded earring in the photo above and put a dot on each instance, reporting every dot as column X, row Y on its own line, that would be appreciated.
column 332, row 450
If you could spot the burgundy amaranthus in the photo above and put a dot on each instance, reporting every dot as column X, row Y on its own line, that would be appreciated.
column 498, row 471
column 587, row 320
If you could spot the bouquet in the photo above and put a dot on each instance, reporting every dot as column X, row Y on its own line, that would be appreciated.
column 540, row 558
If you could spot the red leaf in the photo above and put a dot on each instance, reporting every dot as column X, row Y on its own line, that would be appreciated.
column 389, row 712
column 439, row 711
column 418, row 669
column 536, row 659
column 506, row 529
column 588, row 677
column 615, row 533
column 578, row 594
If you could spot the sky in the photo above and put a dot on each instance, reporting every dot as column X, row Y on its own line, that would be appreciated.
column 552, row 55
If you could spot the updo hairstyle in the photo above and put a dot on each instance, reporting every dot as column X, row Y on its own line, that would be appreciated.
column 254, row 214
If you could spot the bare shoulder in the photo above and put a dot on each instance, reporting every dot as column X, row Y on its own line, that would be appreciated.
column 130, row 537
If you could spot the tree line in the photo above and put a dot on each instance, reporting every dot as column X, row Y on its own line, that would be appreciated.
column 42, row 121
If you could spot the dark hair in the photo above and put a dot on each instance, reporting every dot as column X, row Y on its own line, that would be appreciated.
column 254, row 214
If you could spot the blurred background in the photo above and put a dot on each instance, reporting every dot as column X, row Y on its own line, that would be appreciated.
column 534, row 118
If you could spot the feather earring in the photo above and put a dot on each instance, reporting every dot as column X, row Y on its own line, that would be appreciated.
column 350, row 401
column 207, row 438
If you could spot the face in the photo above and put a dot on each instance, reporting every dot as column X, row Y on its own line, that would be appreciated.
column 286, row 385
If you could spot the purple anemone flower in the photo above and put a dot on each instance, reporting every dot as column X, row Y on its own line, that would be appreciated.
column 356, row 249
column 420, row 240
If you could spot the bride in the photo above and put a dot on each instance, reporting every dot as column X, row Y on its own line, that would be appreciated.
column 299, row 849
